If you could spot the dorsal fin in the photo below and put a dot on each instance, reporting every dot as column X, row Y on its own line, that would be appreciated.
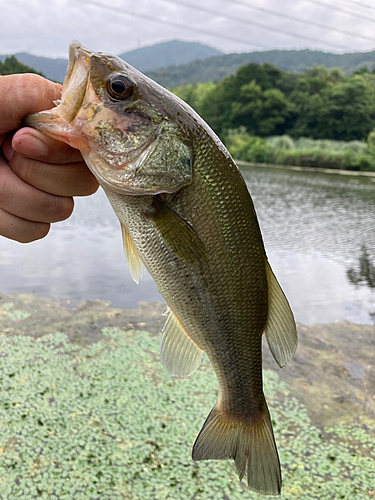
column 134, row 262
column 280, row 330
column 180, row 356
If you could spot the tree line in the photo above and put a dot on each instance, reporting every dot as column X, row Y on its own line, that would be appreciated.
column 266, row 101
column 214, row 69
column 11, row 65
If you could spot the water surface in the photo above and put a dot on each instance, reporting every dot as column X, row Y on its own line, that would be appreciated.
column 316, row 228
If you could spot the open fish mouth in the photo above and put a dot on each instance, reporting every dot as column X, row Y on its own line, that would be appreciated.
column 73, row 91
column 79, row 63
column 75, row 81
column 55, row 122
column 81, row 120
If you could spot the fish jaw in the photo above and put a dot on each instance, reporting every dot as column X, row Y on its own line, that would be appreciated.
column 51, row 124
column 59, row 122
column 78, row 69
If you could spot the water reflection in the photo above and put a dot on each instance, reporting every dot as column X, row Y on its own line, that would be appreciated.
column 365, row 274
column 312, row 223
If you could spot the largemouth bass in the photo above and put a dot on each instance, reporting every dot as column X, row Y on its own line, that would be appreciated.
column 188, row 218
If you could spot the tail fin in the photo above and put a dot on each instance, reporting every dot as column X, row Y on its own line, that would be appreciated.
column 250, row 444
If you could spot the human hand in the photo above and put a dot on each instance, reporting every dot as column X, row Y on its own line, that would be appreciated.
column 38, row 175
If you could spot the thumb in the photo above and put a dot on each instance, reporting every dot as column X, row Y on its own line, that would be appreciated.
column 24, row 94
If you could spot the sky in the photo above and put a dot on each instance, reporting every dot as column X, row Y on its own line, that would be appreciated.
column 46, row 27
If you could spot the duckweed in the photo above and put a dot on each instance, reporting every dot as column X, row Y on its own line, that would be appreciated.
column 107, row 422
column 14, row 314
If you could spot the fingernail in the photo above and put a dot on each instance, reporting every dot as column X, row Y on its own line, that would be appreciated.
column 29, row 145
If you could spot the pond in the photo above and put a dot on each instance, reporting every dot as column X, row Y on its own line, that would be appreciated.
column 318, row 228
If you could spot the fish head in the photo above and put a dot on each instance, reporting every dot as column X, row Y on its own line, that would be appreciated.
column 123, row 123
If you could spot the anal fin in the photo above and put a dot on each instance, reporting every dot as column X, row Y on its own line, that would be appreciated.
column 280, row 330
column 180, row 356
column 132, row 258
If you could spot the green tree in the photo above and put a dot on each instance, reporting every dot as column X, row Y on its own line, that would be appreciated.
column 247, row 99
column 11, row 66
column 195, row 94
column 259, row 111
column 341, row 110
column 362, row 70
column 262, row 100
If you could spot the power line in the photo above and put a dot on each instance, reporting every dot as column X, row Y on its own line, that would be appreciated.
column 299, row 20
column 245, row 21
column 153, row 19
column 332, row 7
column 360, row 4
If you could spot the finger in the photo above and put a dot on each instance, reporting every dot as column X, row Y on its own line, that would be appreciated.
column 72, row 179
column 34, row 144
column 6, row 147
column 21, row 230
column 22, row 200
column 24, row 94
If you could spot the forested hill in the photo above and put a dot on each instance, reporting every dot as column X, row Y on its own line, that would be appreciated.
column 177, row 63
column 145, row 58
column 217, row 67
column 174, row 52
column 54, row 69
column 11, row 65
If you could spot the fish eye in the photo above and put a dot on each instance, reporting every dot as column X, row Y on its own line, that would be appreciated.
column 119, row 87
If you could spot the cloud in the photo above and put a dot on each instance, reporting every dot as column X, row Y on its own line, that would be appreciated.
column 47, row 27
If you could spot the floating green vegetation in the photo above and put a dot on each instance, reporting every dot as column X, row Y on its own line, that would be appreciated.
column 14, row 314
column 107, row 422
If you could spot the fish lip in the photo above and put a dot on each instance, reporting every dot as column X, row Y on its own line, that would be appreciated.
column 75, row 81
column 77, row 53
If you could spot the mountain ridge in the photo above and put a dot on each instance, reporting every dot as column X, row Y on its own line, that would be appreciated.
column 145, row 59
column 218, row 67
column 174, row 63
column 174, row 51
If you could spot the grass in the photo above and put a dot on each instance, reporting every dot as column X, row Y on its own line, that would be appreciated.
column 107, row 422
column 286, row 142
column 304, row 152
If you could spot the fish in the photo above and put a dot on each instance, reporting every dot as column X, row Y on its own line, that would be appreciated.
column 188, row 218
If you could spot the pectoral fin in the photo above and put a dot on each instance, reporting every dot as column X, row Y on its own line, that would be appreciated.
column 132, row 258
column 180, row 356
column 177, row 233
column 280, row 330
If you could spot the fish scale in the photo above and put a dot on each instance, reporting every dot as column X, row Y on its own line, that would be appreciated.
column 188, row 218
column 217, row 307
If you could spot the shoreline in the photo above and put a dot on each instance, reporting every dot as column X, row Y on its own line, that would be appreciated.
column 354, row 173
column 331, row 374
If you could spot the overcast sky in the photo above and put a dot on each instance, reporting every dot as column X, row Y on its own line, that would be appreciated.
column 46, row 27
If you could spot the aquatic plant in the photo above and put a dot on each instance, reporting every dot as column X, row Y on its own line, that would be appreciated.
column 106, row 421
column 281, row 142
column 304, row 152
